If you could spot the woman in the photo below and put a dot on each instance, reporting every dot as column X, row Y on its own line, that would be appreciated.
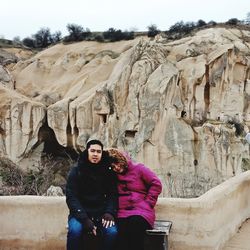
column 138, row 190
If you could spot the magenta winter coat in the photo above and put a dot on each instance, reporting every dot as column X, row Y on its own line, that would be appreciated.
column 138, row 191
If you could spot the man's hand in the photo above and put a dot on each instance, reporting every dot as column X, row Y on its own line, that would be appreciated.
column 94, row 230
column 108, row 220
column 88, row 225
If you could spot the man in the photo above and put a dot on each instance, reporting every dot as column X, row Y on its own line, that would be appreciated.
column 91, row 195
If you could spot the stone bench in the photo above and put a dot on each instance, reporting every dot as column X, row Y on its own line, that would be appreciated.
column 157, row 238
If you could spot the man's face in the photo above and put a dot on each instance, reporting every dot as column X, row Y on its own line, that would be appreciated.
column 95, row 153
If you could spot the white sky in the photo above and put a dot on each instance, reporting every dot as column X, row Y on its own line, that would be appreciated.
column 25, row 17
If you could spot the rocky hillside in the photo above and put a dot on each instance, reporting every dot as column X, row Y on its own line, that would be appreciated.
column 181, row 107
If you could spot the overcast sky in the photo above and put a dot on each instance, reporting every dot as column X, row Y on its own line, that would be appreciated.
column 25, row 17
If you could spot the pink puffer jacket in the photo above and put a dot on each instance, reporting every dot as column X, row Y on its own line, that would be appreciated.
column 138, row 192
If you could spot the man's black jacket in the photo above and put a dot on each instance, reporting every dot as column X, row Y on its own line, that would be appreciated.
column 91, row 189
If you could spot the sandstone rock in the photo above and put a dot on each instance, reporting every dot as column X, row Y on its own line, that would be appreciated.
column 20, row 122
column 21, row 53
column 4, row 75
column 177, row 106
column 54, row 191
column 6, row 57
column 248, row 137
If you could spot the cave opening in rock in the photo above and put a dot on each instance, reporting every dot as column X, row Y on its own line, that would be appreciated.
column 51, row 146
column 183, row 113
column 130, row 133
column 103, row 118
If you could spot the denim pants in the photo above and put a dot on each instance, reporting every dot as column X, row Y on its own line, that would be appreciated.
column 75, row 235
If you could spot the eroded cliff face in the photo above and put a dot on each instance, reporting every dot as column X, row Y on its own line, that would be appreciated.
column 21, row 119
column 180, row 107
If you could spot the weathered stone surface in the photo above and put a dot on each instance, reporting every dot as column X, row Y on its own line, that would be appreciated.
column 20, row 121
column 6, row 57
column 4, row 75
column 54, row 191
column 181, row 107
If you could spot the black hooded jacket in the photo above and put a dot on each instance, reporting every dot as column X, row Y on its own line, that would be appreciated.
column 91, row 189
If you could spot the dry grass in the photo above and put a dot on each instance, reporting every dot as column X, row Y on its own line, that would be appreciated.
column 35, row 181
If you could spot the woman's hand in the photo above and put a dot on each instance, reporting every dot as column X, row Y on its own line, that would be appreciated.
column 108, row 220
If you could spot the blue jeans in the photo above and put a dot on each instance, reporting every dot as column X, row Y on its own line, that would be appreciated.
column 75, row 235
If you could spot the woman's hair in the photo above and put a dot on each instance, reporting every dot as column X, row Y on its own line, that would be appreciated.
column 117, row 156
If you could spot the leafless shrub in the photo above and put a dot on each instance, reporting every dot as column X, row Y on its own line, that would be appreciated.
column 11, row 176
column 36, row 180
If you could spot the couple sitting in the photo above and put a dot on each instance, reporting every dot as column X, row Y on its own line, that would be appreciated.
column 110, row 195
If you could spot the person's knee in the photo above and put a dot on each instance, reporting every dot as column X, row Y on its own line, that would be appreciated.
column 75, row 228
column 137, row 224
column 111, row 232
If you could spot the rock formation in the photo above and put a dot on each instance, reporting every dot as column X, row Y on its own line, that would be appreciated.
column 181, row 107
column 54, row 191
column 21, row 119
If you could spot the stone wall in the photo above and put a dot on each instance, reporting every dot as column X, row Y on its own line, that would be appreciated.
column 33, row 222
column 206, row 222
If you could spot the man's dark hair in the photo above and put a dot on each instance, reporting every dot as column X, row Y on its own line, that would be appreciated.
column 92, row 142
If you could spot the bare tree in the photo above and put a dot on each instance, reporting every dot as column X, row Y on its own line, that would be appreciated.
column 248, row 18
column 42, row 38
column 153, row 30
column 75, row 32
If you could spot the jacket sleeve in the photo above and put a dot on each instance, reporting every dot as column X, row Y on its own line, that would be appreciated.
column 112, row 194
column 153, row 184
column 74, row 205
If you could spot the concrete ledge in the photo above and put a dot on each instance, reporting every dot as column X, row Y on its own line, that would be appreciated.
column 207, row 222
column 52, row 244
column 33, row 222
